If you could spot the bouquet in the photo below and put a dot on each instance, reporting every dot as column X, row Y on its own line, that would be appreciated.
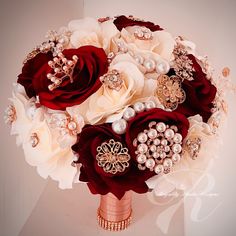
column 117, row 103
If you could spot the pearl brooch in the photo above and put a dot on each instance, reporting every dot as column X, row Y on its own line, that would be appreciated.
column 113, row 80
column 193, row 146
column 158, row 148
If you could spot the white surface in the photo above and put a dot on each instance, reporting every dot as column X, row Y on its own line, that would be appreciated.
column 210, row 24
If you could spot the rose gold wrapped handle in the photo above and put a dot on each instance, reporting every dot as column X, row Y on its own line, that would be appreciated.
column 114, row 214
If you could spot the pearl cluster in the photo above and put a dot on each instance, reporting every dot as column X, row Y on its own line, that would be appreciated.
column 10, row 114
column 34, row 140
column 63, row 68
column 143, row 33
column 158, row 147
column 56, row 43
column 150, row 65
column 119, row 126
column 113, row 80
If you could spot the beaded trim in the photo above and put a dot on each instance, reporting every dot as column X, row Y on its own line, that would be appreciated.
column 113, row 225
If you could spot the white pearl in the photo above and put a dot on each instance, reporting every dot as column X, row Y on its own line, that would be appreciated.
column 161, row 127
column 155, row 154
column 167, row 163
column 129, row 113
column 176, row 148
column 150, row 163
column 72, row 125
column 164, row 142
column 156, row 141
column 177, row 138
column 153, row 148
column 152, row 134
column 139, row 107
column 149, row 65
column 159, row 169
column 142, row 137
column 141, row 158
column 142, row 148
column 169, row 133
column 119, row 126
column 139, row 59
column 162, row 67
column 150, row 105
column 162, row 155
column 167, row 148
column 175, row 157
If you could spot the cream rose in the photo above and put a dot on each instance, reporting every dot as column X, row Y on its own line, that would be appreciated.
column 89, row 31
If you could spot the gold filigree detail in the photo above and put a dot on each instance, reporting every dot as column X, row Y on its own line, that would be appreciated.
column 34, row 140
column 113, row 80
column 193, row 146
column 10, row 114
column 169, row 91
column 112, row 157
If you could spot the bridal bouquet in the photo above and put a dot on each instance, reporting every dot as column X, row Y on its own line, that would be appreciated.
column 117, row 103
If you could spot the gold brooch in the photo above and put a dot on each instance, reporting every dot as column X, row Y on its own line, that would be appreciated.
column 169, row 91
column 112, row 157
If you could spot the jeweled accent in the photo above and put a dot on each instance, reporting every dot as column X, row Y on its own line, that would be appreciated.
column 10, row 114
column 193, row 146
column 143, row 33
column 34, row 140
column 56, row 43
column 63, row 69
column 169, row 91
column 112, row 157
column 182, row 65
column 158, row 148
column 113, row 80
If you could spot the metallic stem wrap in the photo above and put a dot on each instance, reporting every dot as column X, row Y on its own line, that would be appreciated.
column 115, row 214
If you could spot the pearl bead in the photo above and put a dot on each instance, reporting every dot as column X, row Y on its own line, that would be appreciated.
column 149, row 65
column 150, row 163
column 159, row 169
column 162, row 155
column 139, row 59
column 169, row 133
column 141, row 158
column 161, row 127
column 167, row 163
column 175, row 157
column 156, row 141
column 167, row 148
column 142, row 148
column 150, row 105
column 119, row 126
column 177, row 138
column 139, row 107
column 129, row 113
column 164, row 142
column 153, row 148
column 162, row 67
column 152, row 134
column 176, row 148
column 72, row 125
column 155, row 155
column 75, row 58
column 142, row 137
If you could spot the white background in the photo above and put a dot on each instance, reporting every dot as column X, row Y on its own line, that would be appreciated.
column 210, row 24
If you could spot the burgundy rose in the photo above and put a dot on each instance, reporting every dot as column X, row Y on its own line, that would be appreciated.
column 140, row 122
column 123, row 21
column 91, row 64
column 99, row 181
column 200, row 94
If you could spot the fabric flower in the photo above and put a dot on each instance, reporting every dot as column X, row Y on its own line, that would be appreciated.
column 140, row 122
column 108, row 104
column 123, row 22
column 89, row 31
column 186, row 175
column 92, row 63
column 200, row 93
column 39, row 142
column 98, row 181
